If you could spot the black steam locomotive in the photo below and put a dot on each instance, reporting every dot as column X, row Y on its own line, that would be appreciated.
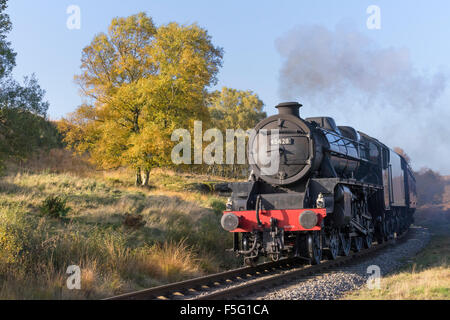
column 325, row 191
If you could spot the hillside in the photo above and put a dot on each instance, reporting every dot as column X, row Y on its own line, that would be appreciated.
column 123, row 238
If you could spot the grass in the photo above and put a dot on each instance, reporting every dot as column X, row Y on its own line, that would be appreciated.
column 427, row 275
column 181, row 237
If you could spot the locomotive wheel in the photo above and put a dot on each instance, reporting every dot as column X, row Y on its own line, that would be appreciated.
column 399, row 225
column 402, row 225
column 315, row 247
column 345, row 244
column 391, row 224
column 380, row 239
column 380, row 231
column 387, row 229
column 333, row 245
column 357, row 243
column 368, row 240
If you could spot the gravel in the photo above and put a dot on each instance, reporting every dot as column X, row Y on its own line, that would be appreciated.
column 333, row 284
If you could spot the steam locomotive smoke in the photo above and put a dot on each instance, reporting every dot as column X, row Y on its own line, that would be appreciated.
column 344, row 74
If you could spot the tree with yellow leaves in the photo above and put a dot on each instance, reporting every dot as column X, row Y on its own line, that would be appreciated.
column 235, row 109
column 144, row 82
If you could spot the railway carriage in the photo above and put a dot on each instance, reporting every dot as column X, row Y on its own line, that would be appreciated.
column 333, row 190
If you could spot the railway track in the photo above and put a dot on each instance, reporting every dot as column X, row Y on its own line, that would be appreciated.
column 245, row 281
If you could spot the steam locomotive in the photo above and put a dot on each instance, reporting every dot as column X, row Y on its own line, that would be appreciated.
column 333, row 190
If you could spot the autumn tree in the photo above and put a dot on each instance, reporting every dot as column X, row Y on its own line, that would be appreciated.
column 430, row 186
column 7, row 55
column 235, row 109
column 144, row 81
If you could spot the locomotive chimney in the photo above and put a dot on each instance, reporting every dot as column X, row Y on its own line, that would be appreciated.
column 289, row 108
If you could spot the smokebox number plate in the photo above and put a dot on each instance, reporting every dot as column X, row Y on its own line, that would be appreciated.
column 281, row 141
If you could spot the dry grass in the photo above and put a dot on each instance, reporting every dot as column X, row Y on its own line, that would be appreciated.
column 181, row 237
column 57, row 161
column 429, row 284
column 414, row 282
column 173, row 260
column 426, row 276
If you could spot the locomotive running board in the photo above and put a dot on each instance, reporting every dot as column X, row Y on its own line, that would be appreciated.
column 351, row 182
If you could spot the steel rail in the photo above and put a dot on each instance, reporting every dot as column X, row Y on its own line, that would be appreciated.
column 243, row 281
column 210, row 280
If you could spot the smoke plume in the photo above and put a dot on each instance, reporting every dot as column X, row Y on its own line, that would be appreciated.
column 344, row 74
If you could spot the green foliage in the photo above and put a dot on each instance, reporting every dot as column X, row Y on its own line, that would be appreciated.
column 23, row 132
column 14, row 239
column 218, row 206
column 23, row 126
column 7, row 55
column 54, row 207
column 29, row 96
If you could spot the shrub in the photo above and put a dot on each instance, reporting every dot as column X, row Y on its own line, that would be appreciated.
column 55, row 207
column 133, row 220
column 15, row 239
column 218, row 206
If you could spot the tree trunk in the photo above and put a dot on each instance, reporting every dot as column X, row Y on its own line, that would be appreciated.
column 138, row 177
column 146, row 178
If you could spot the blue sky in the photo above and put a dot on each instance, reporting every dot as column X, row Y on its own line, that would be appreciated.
column 247, row 30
